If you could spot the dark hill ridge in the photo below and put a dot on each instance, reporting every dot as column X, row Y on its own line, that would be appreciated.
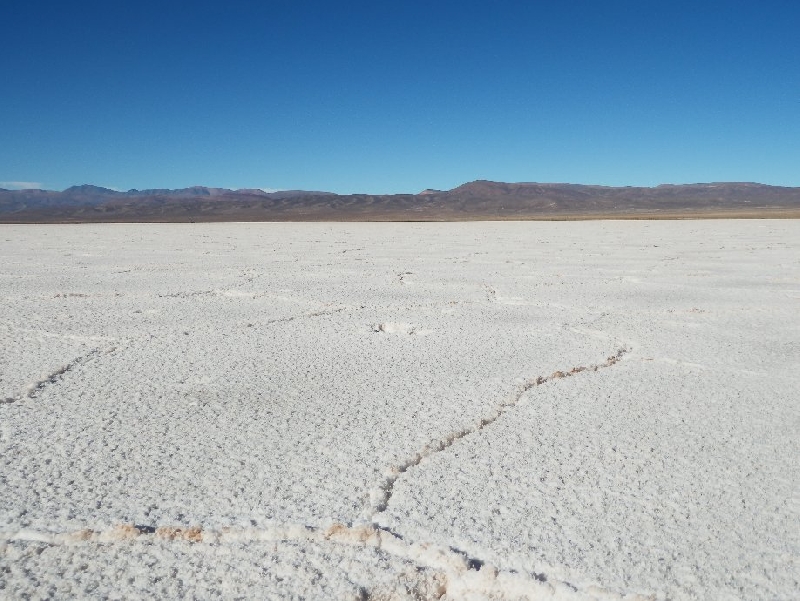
column 472, row 201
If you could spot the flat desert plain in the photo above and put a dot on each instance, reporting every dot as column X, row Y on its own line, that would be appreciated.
column 529, row 410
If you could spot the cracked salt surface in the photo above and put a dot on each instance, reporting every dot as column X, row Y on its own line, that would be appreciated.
column 254, row 410
column 381, row 495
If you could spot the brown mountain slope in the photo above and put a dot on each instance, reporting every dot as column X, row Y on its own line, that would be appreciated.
column 473, row 201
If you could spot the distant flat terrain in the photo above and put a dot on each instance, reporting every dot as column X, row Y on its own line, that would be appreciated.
column 584, row 410
column 475, row 201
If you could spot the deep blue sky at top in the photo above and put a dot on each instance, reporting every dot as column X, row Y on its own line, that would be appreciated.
column 398, row 96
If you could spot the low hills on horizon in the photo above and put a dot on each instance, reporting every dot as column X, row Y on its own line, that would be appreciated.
column 478, row 200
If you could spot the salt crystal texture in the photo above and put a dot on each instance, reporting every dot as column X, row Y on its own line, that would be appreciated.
column 586, row 410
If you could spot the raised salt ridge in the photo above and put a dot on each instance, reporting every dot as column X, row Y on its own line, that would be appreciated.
column 599, row 410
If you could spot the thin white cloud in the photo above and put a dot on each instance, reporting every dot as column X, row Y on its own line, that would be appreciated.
column 21, row 185
column 270, row 190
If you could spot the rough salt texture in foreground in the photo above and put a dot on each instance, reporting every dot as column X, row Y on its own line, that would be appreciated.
column 363, row 411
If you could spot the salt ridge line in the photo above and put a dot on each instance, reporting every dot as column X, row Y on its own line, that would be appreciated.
column 381, row 495
column 320, row 313
column 56, row 376
column 452, row 569
column 462, row 573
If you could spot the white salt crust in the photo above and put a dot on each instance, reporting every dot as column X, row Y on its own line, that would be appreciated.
column 595, row 410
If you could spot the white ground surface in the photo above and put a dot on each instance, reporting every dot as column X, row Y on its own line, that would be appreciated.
column 401, row 411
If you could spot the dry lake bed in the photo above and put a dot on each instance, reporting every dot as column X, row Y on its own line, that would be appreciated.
column 585, row 410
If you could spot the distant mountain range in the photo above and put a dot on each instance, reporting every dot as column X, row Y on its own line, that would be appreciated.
column 476, row 200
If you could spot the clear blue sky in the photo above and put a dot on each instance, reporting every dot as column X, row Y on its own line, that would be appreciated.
column 398, row 96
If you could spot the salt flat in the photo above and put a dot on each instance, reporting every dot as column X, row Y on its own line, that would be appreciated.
column 401, row 411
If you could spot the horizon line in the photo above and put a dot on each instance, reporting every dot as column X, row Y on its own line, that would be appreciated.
column 29, row 187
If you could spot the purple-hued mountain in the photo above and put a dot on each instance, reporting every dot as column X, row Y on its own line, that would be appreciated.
column 472, row 201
